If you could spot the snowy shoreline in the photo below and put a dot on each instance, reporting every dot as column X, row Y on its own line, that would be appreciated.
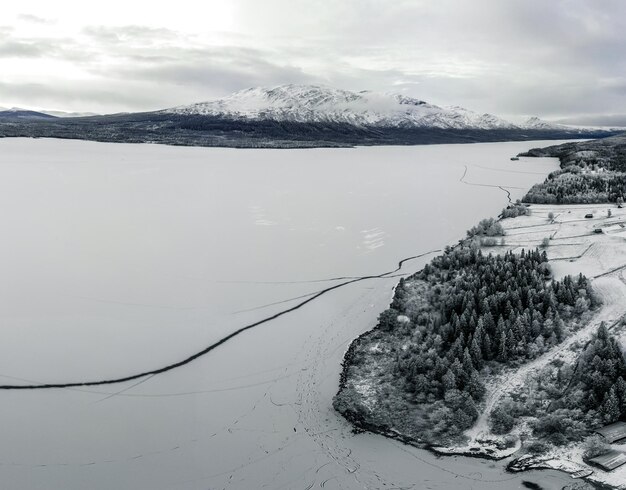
column 598, row 256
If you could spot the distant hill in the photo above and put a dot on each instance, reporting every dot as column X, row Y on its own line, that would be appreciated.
column 296, row 116
column 69, row 114
column 23, row 114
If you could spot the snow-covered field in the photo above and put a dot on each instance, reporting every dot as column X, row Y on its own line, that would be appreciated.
column 121, row 258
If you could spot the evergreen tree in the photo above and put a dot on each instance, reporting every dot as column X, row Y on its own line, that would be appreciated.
column 477, row 354
column 610, row 408
column 503, row 355
column 468, row 365
column 511, row 343
column 449, row 381
column 620, row 391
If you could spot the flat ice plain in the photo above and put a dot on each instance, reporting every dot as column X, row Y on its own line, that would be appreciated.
column 119, row 258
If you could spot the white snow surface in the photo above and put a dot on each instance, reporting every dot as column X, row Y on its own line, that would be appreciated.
column 315, row 103
column 118, row 258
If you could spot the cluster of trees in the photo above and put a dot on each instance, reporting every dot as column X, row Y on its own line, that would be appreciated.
column 515, row 210
column 601, row 378
column 576, row 188
column 591, row 172
column 585, row 396
column 567, row 401
column 465, row 310
column 487, row 227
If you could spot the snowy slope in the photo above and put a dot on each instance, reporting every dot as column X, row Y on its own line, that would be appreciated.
column 313, row 103
column 536, row 123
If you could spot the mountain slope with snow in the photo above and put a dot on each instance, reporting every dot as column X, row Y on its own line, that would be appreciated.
column 317, row 104
column 536, row 123
column 295, row 116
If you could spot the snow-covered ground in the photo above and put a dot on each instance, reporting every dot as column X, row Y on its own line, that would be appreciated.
column 119, row 258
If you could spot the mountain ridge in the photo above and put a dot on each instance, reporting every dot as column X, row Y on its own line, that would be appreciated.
column 318, row 103
column 297, row 116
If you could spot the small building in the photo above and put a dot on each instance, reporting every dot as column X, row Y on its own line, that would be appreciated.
column 597, row 230
column 609, row 461
column 514, row 158
column 589, row 215
column 613, row 432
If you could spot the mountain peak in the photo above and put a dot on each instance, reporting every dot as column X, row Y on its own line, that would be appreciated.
column 536, row 123
column 322, row 104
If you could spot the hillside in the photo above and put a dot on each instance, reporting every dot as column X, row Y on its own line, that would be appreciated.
column 15, row 115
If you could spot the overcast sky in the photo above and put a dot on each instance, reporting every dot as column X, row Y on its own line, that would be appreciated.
column 552, row 58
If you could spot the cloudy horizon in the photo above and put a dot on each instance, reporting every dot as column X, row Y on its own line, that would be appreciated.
column 559, row 60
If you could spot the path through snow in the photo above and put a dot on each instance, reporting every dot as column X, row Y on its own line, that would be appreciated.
column 612, row 292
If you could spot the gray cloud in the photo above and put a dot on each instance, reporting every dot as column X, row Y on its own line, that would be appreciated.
column 104, row 96
column 19, row 49
column 561, row 58
column 145, row 80
column 133, row 33
column 12, row 46
column 35, row 19
column 220, row 69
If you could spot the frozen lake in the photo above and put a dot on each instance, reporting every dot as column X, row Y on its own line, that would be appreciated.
column 118, row 259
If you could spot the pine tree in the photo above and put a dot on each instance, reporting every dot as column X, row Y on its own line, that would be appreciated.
column 490, row 323
column 511, row 343
column 519, row 329
column 475, row 386
column 503, row 355
column 486, row 348
column 500, row 327
column 620, row 391
column 559, row 327
column 468, row 365
column 535, row 329
column 449, row 381
column 477, row 354
column 610, row 407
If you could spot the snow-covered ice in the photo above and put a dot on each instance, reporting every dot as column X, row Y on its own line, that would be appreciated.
column 119, row 258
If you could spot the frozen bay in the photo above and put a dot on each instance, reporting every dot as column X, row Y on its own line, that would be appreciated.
column 119, row 258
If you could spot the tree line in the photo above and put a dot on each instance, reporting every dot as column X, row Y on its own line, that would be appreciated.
column 591, row 172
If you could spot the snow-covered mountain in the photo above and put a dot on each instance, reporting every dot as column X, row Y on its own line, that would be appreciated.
column 536, row 123
column 294, row 116
column 319, row 104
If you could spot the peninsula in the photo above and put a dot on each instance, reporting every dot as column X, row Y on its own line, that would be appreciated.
column 511, row 343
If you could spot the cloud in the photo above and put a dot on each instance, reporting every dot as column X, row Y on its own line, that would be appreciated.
column 20, row 49
column 222, row 69
column 557, row 58
column 614, row 120
column 133, row 33
column 155, row 79
column 102, row 96
column 35, row 19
